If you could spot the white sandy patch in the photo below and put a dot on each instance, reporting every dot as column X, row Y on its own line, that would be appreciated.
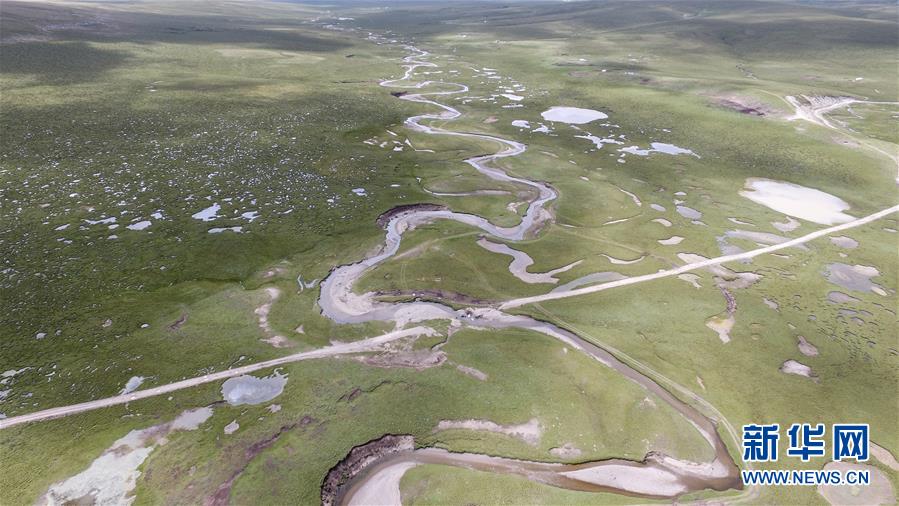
column 382, row 489
column 262, row 313
column 658, row 147
column 232, row 427
column 618, row 261
column 797, row 201
column 761, row 238
column 111, row 478
column 879, row 491
column 566, row 451
column 786, row 226
column 662, row 221
column 219, row 230
column 841, row 298
column 691, row 278
column 471, row 371
column 806, row 348
column 794, row 367
column 132, row 384
column 632, row 196
column 675, row 239
column 884, row 456
column 599, row 141
column 529, row 432
column 520, row 123
column 650, row 481
column 140, row 225
column 572, row 115
column 722, row 326
column 208, row 214
column 741, row 222
column 688, row 212
column 844, row 242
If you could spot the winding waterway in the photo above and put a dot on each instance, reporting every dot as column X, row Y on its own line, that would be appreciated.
column 658, row 476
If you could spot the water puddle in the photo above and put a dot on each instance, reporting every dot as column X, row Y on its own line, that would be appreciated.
column 132, row 384
column 208, row 214
column 844, row 242
column 854, row 277
column 253, row 390
column 688, row 212
column 572, row 115
column 658, row 147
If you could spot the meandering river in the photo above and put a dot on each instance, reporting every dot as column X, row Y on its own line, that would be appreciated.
column 658, row 476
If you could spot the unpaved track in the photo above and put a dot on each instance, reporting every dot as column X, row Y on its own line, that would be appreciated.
column 365, row 345
column 816, row 112
column 699, row 265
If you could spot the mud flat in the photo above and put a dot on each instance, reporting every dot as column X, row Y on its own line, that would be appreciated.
column 662, row 483
column 844, row 242
column 385, row 489
column 884, row 456
column 722, row 326
column 854, row 277
column 786, row 226
column 572, row 115
column 879, row 491
column 797, row 201
column 358, row 459
column 566, row 451
column 806, row 348
column 112, row 477
column 658, row 147
column 797, row 368
column 841, row 298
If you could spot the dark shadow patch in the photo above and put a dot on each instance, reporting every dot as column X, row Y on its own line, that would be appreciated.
column 59, row 61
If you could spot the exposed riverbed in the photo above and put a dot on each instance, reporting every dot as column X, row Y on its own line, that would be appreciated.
column 658, row 476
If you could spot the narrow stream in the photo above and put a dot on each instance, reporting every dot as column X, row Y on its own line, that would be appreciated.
column 658, row 476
